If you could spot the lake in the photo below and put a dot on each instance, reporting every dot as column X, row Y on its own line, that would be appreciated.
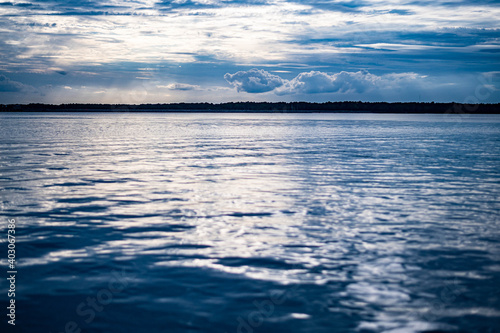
column 180, row 222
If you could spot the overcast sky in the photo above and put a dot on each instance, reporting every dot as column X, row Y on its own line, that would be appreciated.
column 150, row 51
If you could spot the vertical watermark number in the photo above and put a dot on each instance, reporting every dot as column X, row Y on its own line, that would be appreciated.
column 12, row 271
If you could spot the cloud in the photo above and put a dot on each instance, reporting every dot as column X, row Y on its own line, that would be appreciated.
column 318, row 82
column 315, row 82
column 455, row 3
column 336, row 6
column 169, row 4
column 254, row 81
column 401, row 12
column 206, row 4
column 310, row 49
column 180, row 86
column 7, row 85
column 75, row 7
column 19, row 4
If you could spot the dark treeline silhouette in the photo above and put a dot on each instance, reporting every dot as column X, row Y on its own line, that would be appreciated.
column 333, row 107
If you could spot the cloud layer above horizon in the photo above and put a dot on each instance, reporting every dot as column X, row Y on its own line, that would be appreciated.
column 155, row 51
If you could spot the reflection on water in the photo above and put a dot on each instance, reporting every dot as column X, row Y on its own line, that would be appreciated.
column 254, row 223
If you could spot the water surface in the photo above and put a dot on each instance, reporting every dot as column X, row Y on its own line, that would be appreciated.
column 253, row 223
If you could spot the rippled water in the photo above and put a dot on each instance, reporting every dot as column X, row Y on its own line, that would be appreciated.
column 253, row 223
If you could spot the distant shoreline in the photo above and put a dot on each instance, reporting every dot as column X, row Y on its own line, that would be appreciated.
column 267, row 107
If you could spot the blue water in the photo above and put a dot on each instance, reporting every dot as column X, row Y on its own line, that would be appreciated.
column 252, row 223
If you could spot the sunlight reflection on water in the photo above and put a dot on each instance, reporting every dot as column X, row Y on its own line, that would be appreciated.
column 369, row 218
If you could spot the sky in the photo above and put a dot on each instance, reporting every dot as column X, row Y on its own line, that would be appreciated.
column 158, row 51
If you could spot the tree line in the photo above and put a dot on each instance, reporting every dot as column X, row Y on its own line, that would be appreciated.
column 288, row 107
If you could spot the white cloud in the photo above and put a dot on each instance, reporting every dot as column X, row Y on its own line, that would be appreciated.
column 314, row 82
column 319, row 82
column 254, row 81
